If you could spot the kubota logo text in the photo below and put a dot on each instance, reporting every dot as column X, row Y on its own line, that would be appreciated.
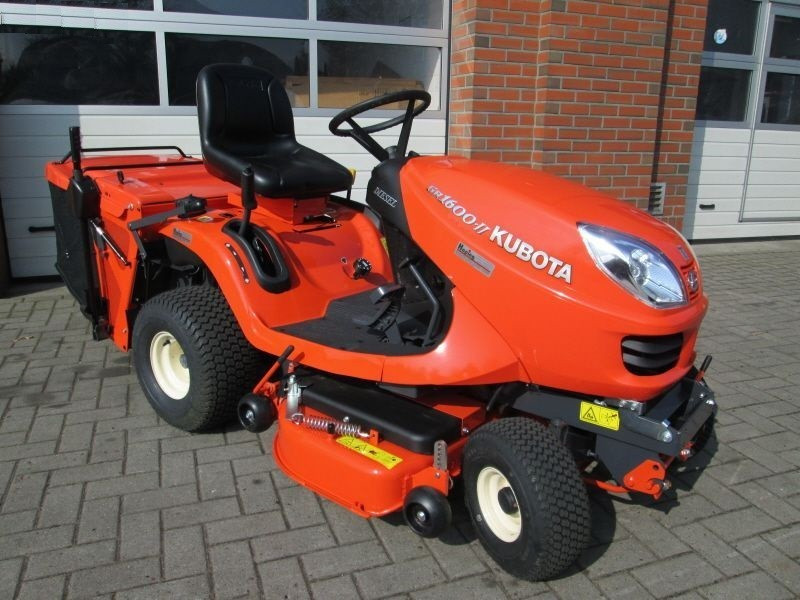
column 509, row 242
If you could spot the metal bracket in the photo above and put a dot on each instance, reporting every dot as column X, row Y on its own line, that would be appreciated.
column 440, row 455
column 106, row 239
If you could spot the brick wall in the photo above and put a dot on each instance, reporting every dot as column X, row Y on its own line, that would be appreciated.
column 598, row 91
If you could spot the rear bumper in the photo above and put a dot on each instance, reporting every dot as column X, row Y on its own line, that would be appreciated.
column 636, row 448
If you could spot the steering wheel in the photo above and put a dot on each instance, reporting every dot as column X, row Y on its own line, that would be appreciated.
column 417, row 101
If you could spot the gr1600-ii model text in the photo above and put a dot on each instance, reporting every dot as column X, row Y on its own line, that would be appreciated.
column 473, row 320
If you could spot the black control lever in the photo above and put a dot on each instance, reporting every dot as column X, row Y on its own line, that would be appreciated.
column 248, row 197
column 185, row 208
column 190, row 206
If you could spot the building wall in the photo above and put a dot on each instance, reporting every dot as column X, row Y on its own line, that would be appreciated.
column 599, row 92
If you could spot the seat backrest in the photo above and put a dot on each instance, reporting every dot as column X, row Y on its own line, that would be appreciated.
column 241, row 110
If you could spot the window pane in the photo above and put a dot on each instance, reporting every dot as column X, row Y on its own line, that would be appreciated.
column 408, row 13
column 126, row 4
column 785, row 38
column 278, row 9
column 55, row 65
column 350, row 72
column 188, row 53
column 782, row 99
column 723, row 94
column 731, row 26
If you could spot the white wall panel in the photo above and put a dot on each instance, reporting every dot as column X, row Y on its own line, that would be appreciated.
column 717, row 178
column 774, row 176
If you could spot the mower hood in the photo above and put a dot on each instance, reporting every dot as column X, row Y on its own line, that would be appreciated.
column 509, row 238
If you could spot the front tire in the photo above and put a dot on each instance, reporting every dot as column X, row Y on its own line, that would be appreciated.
column 192, row 359
column 526, row 499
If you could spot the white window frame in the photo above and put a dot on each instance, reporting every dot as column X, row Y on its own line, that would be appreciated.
column 161, row 22
column 749, row 62
column 776, row 65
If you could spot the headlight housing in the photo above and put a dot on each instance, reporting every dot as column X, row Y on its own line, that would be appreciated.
column 637, row 266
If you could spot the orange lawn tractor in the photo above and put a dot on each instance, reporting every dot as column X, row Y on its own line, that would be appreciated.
column 473, row 320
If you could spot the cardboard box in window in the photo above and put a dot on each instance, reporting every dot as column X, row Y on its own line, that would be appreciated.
column 341, row 92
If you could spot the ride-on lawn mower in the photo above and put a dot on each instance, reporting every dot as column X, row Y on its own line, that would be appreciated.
column 473, row 320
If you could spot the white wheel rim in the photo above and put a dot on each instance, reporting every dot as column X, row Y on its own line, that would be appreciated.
column 168, row 361
column 505, row 526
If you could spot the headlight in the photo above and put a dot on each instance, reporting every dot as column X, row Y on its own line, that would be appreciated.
column 639, row 267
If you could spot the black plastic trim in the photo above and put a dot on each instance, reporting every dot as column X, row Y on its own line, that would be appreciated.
column 403, row 422
column 276, row 282
column 643, row 431
column 651, row 355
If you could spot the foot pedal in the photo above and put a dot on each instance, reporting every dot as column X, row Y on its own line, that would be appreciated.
column 387, row 298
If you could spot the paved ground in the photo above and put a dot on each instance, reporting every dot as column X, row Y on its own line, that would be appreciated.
column 101, row 499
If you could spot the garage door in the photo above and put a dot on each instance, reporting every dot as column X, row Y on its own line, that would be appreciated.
column 124, row 71
column 745, row 173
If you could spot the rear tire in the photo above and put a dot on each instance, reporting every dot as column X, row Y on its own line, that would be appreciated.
column 526, row 499
column 192, row 359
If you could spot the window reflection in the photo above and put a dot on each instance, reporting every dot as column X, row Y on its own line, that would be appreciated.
column 782, row 99
column 126, row 4
column 731, row 26
column 57, row 65
column 188, row 53
column 277, row 9
column 723, row 94
column 350, row 72
column 408, row 13
column 785, row 38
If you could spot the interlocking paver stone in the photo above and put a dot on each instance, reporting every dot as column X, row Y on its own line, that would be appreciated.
column 240, row 528
column 50, row 587
column 233, row 569
column 183, row 552
column 98, row 497
column 676, row 575
column 344, row 559
column 118, row 576
column 287, row 543
column 98, row 520
column 60, row 505
column 141, row 535
column 191, row 587
column 70, row 559
column 283, row 579
column 752, row 585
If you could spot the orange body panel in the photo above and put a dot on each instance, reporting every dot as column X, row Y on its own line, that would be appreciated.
column 554, row 320
column 319, row 263
column 566, row 331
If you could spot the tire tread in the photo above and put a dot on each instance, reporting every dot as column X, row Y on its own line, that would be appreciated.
column 561, row 494
column 230, row 365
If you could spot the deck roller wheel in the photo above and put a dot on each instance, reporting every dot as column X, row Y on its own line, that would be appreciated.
column 256, row 413
column 427, row 511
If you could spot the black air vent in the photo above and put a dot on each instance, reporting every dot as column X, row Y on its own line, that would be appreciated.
column 651, row 355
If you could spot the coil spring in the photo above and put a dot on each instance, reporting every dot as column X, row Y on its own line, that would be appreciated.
column 328, row 425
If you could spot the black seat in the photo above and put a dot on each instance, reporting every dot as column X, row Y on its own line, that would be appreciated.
column 246, row 119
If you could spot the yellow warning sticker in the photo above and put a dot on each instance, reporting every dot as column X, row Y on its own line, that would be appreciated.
column 387, row 459
column 599, row 415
